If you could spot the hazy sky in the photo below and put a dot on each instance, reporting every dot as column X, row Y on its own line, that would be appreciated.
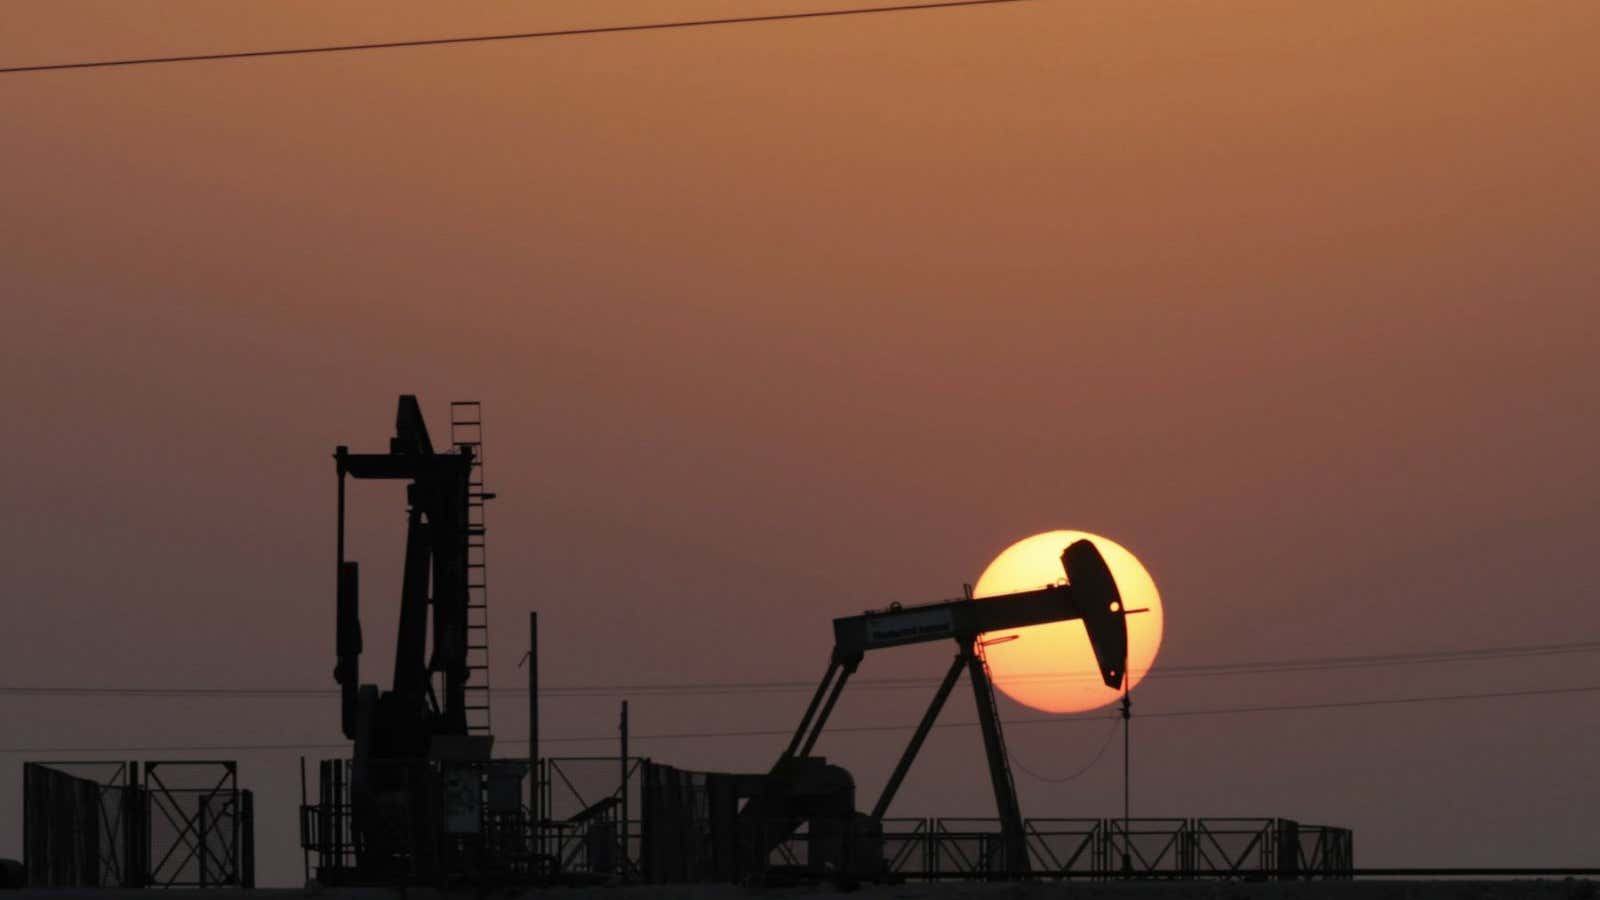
column 776, row 323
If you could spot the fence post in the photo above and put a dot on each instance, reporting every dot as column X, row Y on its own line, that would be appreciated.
column 201, row 835
column 246, row 861
column 1288, row 849
column 30, row 853
column 622, row 830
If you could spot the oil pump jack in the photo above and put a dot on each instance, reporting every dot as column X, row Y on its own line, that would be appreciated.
column 414, row 751
column 804, row 790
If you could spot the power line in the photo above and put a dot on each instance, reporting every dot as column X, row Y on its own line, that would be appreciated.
column 1348, row 704
column 865, row 729
column 1257, row 667
column 1190, row 671
column 1111, row 732
column 487, row 38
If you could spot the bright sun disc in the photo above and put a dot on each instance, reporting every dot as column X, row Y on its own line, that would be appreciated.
column 1051, row 667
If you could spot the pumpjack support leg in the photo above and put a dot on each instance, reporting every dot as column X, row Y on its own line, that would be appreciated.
column 811, row 708
column 1005, row 792
column 811, row 724
column 917, row 738
column 845, row 670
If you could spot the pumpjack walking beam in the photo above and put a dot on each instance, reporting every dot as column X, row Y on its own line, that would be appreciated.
column 1090, row 595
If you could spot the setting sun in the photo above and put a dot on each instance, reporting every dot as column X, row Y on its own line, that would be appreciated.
column 1051, row 667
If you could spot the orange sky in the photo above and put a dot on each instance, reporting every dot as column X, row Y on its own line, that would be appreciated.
column 776, row 323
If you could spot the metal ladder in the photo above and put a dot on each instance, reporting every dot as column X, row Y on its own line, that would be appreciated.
column 466, row 433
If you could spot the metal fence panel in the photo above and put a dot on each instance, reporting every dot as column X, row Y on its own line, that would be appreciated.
column 100, row 824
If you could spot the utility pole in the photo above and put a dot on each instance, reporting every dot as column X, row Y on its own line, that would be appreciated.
column 1127, row 722
column 622, row 831
column 535, row 771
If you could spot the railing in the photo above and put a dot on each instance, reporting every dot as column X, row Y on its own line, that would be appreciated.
column 971, row 848
column 419, row 822
column 595, row 819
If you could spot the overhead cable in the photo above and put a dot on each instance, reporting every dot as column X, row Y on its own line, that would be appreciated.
column 1257, row 667
column 864, row 729
column 489, row 38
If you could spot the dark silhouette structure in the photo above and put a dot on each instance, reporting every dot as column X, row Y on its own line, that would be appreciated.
column 404, row 721
column 421, row 801
column 409, row 804
column 167, row 823
column 802, row 791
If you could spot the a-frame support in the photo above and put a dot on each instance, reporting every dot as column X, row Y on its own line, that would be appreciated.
column 1015, row 853
column 921, row 734
column 832, row 685
column 1014, row 844
column 1089, row 594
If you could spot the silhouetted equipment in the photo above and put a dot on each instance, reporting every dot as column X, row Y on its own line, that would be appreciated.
column 410, row 805
column 420, row 801
column 802, row 791
column 403, row 721
column 1090, row 595
column 968, row 848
